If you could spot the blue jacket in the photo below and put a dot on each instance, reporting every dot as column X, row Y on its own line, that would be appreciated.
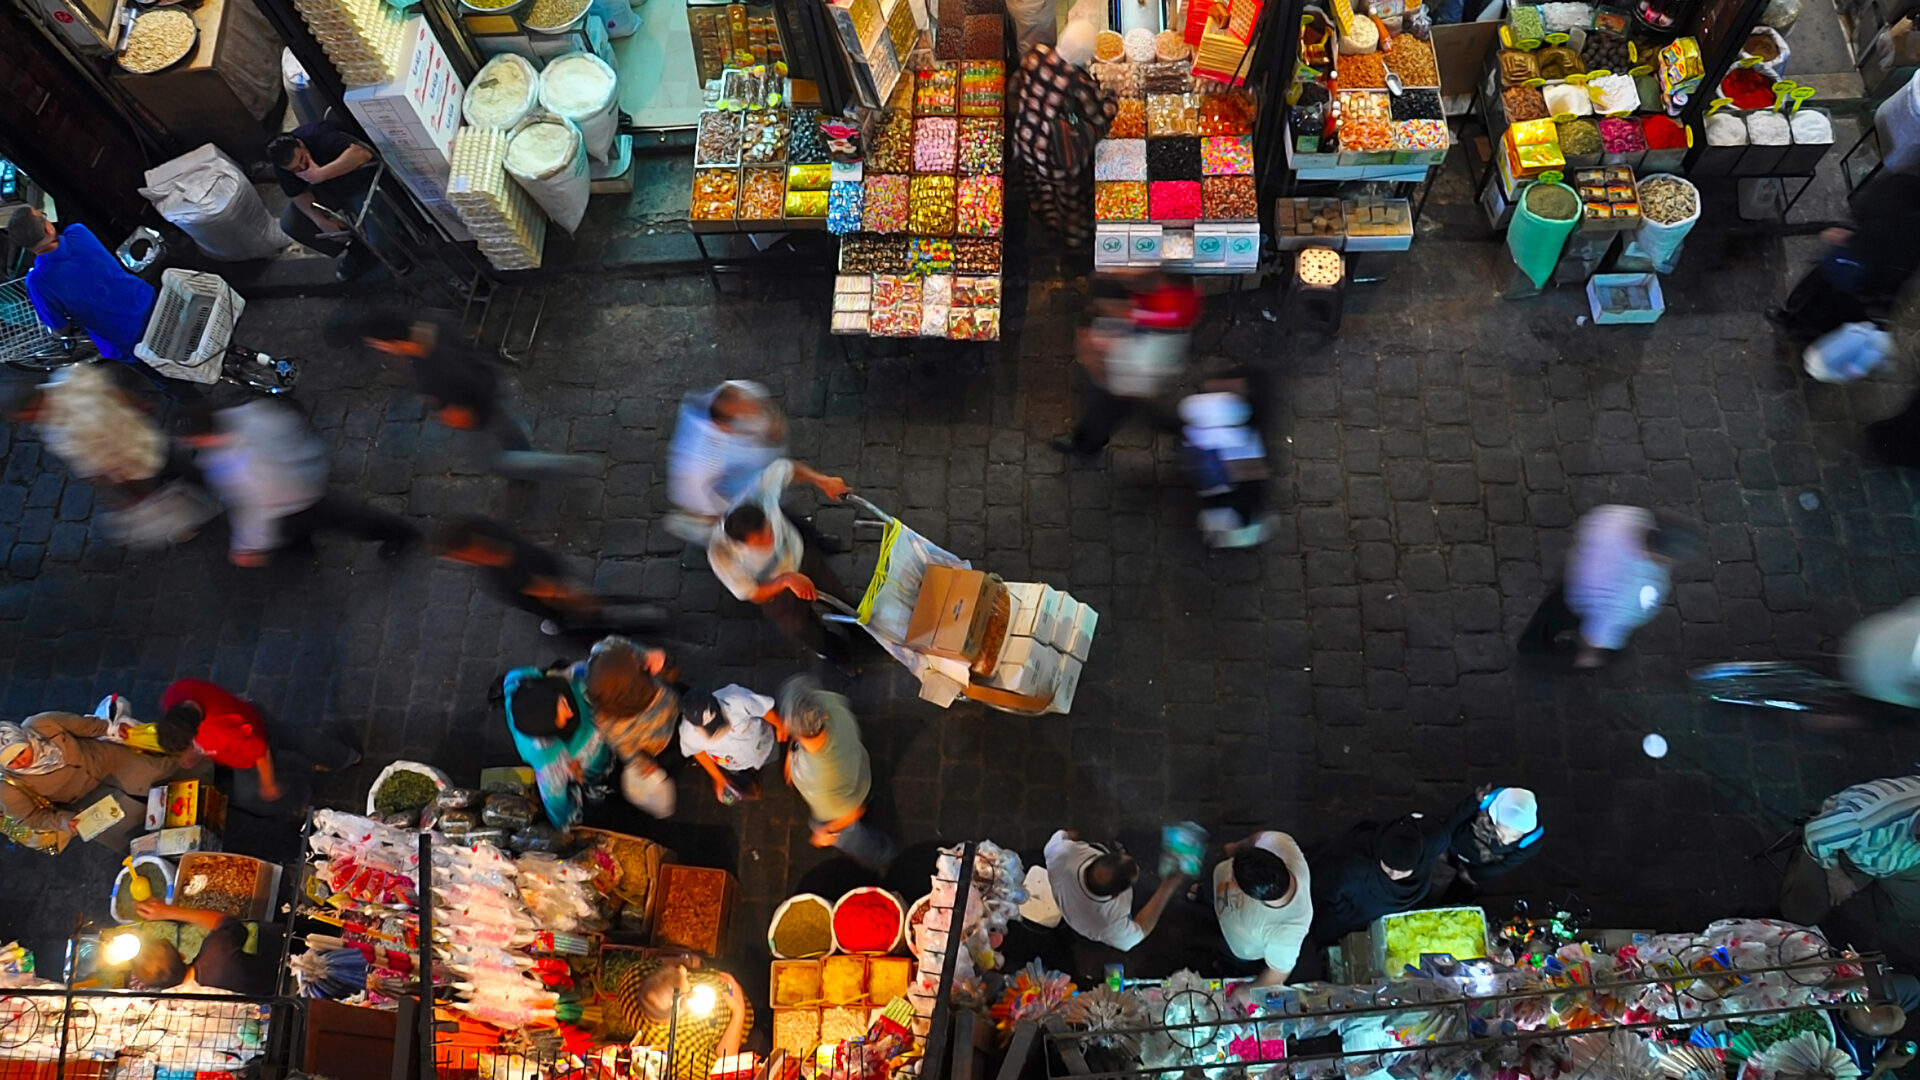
column 80, row 281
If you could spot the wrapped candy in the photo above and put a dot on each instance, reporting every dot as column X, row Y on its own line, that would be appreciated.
column 1420, row 135
column 929, row 255
column 979, row 206
column 809, row 177
column 983, row 88
column 844, row 203
column 886, row 206
column 933, row 143
column 806, row 204
column 930, row 206
column 715, row 192
column 937, row 91
column 980, row 148
column 1129, row 120
column 1226, row 155
column 976, row 256
column 891, row 150
column 1173, row 114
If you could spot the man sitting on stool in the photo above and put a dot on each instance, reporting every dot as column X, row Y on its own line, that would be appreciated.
column 319, row 166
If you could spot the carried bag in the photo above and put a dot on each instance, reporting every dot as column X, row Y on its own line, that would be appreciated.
column 42, row 840
column 647, row 786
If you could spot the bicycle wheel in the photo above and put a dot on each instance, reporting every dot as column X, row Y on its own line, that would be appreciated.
column 1774, row 685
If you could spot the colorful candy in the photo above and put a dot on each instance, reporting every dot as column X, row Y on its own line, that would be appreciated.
column 937, row 91
column 1226, row 114
column 1420, row 135
column 1226, row 155
column 979, row 206
column 762, row 193
column 1129, row 120
column 981, row 146
column 844, row 203
column 1120, row 200
column 1173, row 200
column 886, row 203
column 1621, row 136
column 983, row 88
column 930, row 205
column 929, row 255
column 1365, row 135
column 714, row 194
column 933, row 142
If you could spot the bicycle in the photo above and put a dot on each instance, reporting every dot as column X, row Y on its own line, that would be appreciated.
column 1821, row 700
column 25, row 342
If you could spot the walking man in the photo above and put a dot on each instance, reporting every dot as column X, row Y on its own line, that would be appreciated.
column 830, row 769
column 1093, row 888
column 269, row 763
column 765, row 558
column 271, row 473
column 1619, row 573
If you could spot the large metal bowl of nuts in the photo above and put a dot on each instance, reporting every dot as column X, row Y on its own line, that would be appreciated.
column 158, row 40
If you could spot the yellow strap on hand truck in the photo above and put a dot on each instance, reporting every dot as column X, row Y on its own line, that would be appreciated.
column 879, row 580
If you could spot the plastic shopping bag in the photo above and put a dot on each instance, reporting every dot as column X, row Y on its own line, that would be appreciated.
column 1848, row 352
column 647, row 786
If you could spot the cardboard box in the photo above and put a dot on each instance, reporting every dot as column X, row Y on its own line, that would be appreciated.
column 99, row 816
column 950, row 615
column 1064, row 689
column 144, row 844
column 171, row 843
column 1029, row 666
column 420, row 109
column 1080, row 642
column 936, row 687
column 1052, row 603
column 195, row 802
column 1025, row 596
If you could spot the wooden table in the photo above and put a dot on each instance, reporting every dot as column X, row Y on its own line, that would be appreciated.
column 225, row 90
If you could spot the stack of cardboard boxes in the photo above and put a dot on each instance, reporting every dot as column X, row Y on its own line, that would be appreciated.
column 412, row 118
column 1023, row 643
column 182, row 817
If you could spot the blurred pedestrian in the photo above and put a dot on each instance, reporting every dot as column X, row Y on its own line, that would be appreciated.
column 553, row 730
column 1375, row 870
column 535, row 580
column 732, row 735
column 1263, row 895
column 1059, row 113
column 271, row 763
column 52, row 760
column 1226, row 455
column 633, row 700
column 1132, row 353
column 1880, row 656
column 723, row 439
column 76, row 280
column 766, row 558
column 1860, row 275
column 1489, row 835
column 1093, row 888
column 1857, row 867
column 829, row 767
column 270, row 471
column 1619, row 572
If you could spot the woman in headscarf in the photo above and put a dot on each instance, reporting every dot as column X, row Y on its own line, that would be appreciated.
column 55, row 759
column 1489, row 835
column 1060, row 112
column 637, row 1005
column 1377, row 870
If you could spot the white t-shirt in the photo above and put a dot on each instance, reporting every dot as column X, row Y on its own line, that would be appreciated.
column 745, row 742
column 1271, row 931
column 742, row 569
column 1108, row 920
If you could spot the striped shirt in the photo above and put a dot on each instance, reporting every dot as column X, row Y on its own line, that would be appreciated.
column 1872, row 824
column 1612, row 583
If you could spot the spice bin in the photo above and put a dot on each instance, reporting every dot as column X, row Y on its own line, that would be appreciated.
column 235, row 885
column 859, row 918
column 693, row 908
column 1802, row 158
column 803, row 908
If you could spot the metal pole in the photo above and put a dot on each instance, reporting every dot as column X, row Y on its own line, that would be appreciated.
column 425, row 960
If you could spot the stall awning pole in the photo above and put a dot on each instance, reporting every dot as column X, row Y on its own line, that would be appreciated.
column 940, row 1032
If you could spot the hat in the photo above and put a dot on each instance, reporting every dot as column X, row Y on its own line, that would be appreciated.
column 1515, row 809
column 1076, row 43
column 1399, row 845
column 11, row 752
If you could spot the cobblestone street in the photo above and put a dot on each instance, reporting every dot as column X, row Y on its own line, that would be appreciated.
column 1432, row 459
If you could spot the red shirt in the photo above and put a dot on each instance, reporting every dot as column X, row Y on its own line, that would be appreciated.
column 231, row 731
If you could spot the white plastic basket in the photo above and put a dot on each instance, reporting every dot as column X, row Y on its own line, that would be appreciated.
column 191, row 325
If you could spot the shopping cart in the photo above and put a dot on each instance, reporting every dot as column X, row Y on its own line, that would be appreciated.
column 25, row 341
column 886, row 610
column 189, row 336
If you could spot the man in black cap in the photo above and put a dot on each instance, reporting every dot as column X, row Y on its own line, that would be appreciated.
column 1376, row 870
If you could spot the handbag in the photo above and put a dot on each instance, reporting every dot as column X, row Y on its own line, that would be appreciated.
column 42, row 840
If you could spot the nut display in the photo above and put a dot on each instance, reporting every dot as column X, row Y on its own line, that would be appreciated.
column 933, row 143
column 1523, row 103
column 1129, row 119
column 222, row 883
column 715, row 193
column 718, row 141
column 1173, row 159
column 160, row 38
column 1120, row 159
column 763, row 192
column 1121, row 80
column 1226, row 155
column 1363, row 71
column 1412, row 60
column 886, row 203
column 1606, row 52
column 930, row 205
column 981, row 146
column 978, row 206
column 1173, row 114
column 1120, row 200
column 691, row 907
column 1668, row 200
column 1173, row 200
column 984, row 37
column 1228, row 198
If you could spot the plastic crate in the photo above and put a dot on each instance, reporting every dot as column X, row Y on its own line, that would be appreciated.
column 191, row 325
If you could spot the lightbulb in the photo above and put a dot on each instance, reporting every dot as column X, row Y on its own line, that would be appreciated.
column 122, row 948
column 700, row 1002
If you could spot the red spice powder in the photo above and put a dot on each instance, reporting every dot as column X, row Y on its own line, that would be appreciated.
column 1748, row 88
column 1663, row 133
column 866, row 922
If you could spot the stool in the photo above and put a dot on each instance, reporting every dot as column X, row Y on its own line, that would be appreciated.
column 1314, row 303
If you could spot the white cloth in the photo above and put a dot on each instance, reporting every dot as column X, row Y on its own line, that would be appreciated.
column 93, row 427
column 709, row 467
column 745, row 742
column 268, row 466
column 741, row 568
column 1108, row 920
column 1613, row 584
column 1270, row 931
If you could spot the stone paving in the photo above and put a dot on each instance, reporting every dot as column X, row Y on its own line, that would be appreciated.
column 1432, row 458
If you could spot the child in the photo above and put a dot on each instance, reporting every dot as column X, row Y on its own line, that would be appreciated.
column 732, row 736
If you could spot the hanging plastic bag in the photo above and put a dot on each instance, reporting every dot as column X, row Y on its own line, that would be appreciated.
column 548, row 158
column 1660, row 244
column 503, row 93
column 647, row 786
column 1848, row 352
column 619, row 16
column 211, row 200
column 581, row 87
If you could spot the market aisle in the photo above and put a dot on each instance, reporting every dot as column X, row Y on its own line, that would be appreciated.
column 1433, row 456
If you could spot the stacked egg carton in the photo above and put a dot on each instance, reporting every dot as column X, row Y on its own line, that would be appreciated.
column 361, row 37
column 509, row 226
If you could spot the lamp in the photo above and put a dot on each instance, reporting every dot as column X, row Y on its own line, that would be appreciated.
column 700, row 1002
column 123, row 947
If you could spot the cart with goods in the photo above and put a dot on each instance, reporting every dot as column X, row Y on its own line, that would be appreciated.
column 1017, row 647
column 190, row 336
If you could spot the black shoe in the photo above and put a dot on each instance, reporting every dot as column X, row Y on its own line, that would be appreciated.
column 393, row 549
column 352, row 264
